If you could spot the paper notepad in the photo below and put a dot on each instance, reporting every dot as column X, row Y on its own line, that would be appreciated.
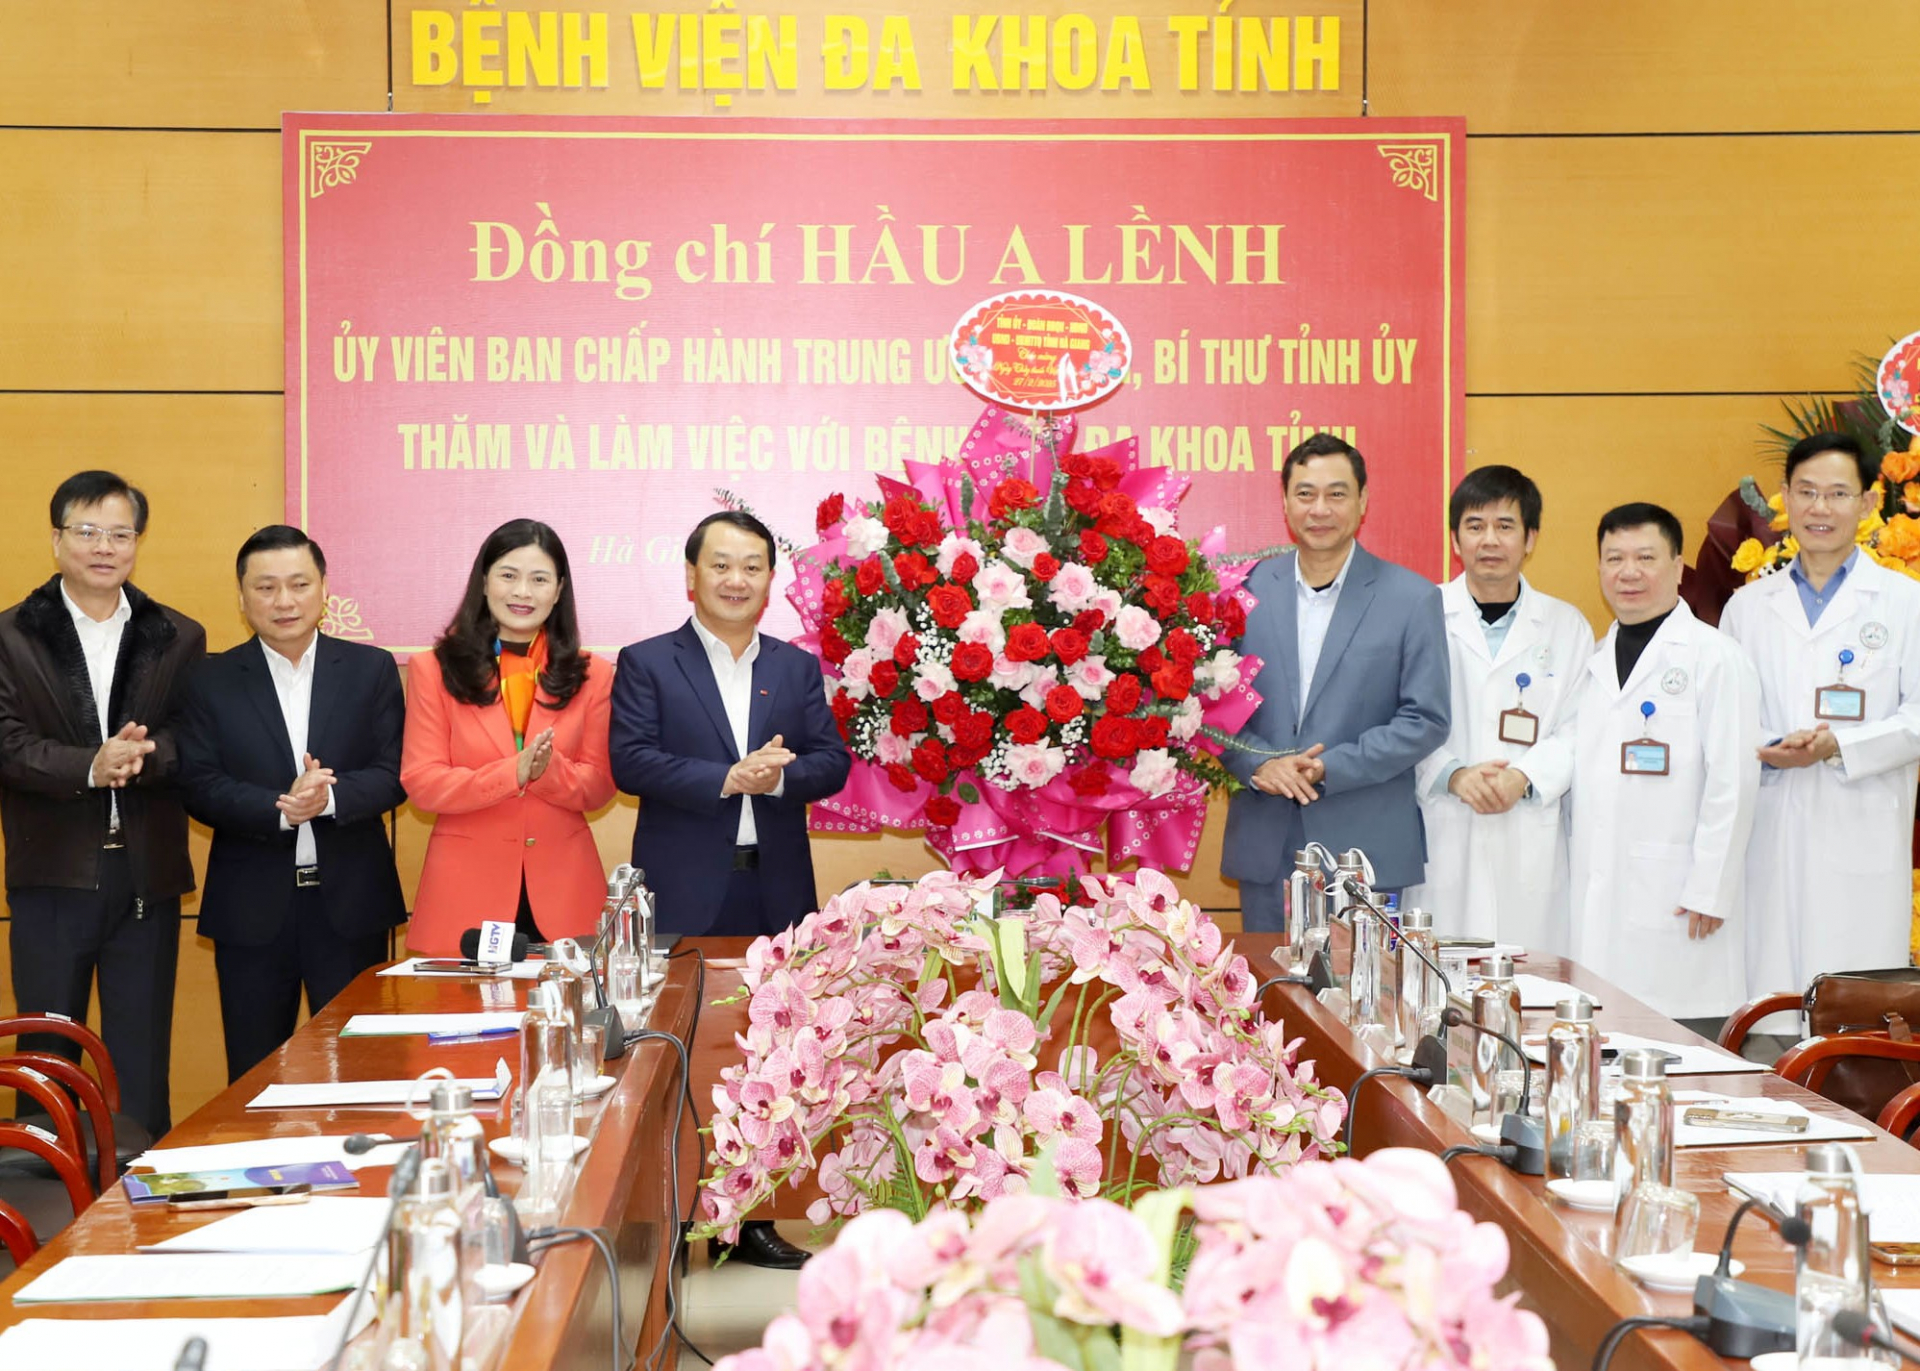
column 1695, row 1059
column 404, row 1025
column 301, row 1343
column 268, row 1152
column 327, row 1225
column 335, row 1094
column 1820, row 1128
column 240, row 1276
column 1892, row 1201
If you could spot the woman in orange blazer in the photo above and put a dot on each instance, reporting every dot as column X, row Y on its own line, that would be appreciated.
column 507, row 743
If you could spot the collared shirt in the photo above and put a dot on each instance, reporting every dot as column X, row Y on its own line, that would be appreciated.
column 1313, row 616
column 293, row 684
column 1498, row 629
column 100, row 645
column 1815, row 601
column 734, row 676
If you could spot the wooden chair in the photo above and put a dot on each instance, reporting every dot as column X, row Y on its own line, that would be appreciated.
column 1733, row 1033
column 1902, row 1113
column 17, row 1234
column 37, row 1203
column 1808, row 1063
column 97, row 1139
column 114, row 1139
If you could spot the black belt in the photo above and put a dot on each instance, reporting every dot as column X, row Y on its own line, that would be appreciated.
column 746, row 858
column 116, row 841
column 305, row 876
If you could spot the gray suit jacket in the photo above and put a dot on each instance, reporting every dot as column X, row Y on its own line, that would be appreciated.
column 1380, row 700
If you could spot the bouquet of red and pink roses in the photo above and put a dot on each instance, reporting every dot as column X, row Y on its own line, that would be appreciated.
column 1025, row 656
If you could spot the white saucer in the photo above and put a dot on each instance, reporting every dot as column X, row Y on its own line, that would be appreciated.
column 1488, row 1133
column 1594, row 1195
column 495, row 1281
column 1775, row 1361
column 510, row 1149
column 600, row 1085
column 1675, row 1271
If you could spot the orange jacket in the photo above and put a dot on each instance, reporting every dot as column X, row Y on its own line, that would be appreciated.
column 459, row 761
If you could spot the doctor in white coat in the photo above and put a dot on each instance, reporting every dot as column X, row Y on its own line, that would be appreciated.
column 1836, row 640
column 1491, row 795
column 1663, row 785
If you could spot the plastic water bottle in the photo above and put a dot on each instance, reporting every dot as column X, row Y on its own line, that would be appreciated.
column 1831, row 1270
column 1496, row 1006
column 1642, row 1124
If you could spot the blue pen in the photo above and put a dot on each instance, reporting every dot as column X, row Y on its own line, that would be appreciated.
column 483, row 1035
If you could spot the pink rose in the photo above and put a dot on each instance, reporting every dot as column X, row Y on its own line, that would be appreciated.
column 1034, row 764
column 1136, row 629
column 1022, row 545
column 1072, row 588
column 1001, row 587
column 951, row 547
column 1154, row 772
column 889, row 626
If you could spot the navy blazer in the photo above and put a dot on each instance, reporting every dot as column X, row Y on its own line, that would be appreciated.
column 672, row 746
column 1381, row 699
column 236, row 760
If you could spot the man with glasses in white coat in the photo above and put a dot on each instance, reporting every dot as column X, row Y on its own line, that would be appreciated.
column 1663, row 785
column 1492, row 794
column 1836, row 640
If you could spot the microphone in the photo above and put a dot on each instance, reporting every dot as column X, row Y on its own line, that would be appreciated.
column 1429, row 1068
column 1850, row 1325
column 1744, row 1319
column 470, row 946
column 193, row 1355
column 359, row 1144
column 1524, row 1136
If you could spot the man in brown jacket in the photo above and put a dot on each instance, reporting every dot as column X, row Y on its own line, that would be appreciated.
column 96, row 833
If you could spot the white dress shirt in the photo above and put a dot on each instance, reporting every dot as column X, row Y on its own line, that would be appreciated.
column 100, row 645
column 734, row 676
column 1313, row 616
column 293, row 684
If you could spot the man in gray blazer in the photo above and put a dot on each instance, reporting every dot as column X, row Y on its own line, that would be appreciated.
column 1354, row 692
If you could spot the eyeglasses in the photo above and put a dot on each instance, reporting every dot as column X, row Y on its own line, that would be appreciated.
column 1807, row 497
column 89, row 535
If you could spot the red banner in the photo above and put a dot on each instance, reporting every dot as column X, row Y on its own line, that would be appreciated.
column 602, row 322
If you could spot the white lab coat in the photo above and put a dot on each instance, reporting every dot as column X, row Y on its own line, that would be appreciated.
column 1828, row 878
column 1504, row 876
column 1645, row 846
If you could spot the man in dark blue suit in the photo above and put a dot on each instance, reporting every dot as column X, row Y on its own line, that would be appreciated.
column 725, row 735
column 290, row 752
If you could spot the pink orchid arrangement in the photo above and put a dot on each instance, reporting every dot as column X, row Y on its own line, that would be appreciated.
column 919, row 1052
column 1335, row 1265
column 1025, row 656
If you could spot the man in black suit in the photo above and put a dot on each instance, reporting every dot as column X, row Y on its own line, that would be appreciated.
column 291, row 753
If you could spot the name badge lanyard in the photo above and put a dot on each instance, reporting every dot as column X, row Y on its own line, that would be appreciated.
column 1841, row 702
column 1516, row 724
column 1645, row 755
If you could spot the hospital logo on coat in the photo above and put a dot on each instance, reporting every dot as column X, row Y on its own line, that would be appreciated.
column 1873, row 636
column 1674, row 682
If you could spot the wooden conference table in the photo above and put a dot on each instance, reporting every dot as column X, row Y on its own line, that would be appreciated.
column 563, row 1318
column 1560, row 1257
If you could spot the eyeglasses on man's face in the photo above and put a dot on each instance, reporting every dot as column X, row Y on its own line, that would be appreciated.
column 92, row 535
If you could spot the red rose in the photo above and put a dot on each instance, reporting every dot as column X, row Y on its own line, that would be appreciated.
column 1162, row 594
column 1155, row 727
column 869, row 577
column 965, row 567
column 1173, row 682
column 1083, row 498
column 1151, row 660
column 943, row 811
column 1200, row 607
column 950, row 708
column 1093, row 548
column 1064, row 704
column 833, row 603
column 1106, row 473
column 1046, row 566
column 905, row 651
column 1027, row 643
column 1167, row 555
column 899, row 516
column 949, row 605
column 1089, row 622
column 1123, row 694
column 1077, row 464
column 832, row 510
column 844, row 706
column 971, row 662
column 1233, row 617
column 914, row 570
column 930, row 761
column 884, row 678
column 901, row 778
column 833, row 646
column 1069, row 645
column 926, row 529
column 1118, row 505
column 960, row 756
column 1011, row 496
column 1113, row 738
column 1091, row 779
column 909, row 717
column 1026, row 725
column 1183, row 647
column 973, row 731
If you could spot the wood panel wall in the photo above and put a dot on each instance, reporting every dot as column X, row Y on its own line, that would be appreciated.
column 1675, row 217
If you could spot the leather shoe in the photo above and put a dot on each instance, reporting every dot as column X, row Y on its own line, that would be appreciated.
column 760, row 1245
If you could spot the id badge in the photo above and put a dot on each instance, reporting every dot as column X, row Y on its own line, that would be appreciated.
column 1843, row 704
column 1643, row 757
column 1518, row 726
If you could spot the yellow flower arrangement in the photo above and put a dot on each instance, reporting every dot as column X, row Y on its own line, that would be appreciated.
column 1748, row 557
